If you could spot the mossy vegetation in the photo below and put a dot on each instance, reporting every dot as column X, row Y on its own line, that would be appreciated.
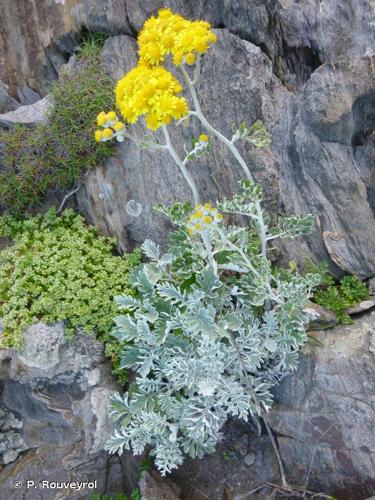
column 59, row 269
column 338, row 297
column 54, row 155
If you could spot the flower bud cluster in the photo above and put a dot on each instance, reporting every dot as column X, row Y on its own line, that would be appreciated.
column 204, row 217
column 111, row 127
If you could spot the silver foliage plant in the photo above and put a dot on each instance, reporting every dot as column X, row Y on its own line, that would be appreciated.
column 211, row 330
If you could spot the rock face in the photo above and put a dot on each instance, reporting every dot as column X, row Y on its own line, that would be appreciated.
column 297, row 36
column 325, row 414
column 326, row 168
column 321, row 159
column 305, row 68
column 53, row 424
column 150, row 178
column 53, row 417
column 29, row 115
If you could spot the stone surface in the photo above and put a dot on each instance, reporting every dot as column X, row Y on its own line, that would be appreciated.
column 325, row 414
column 225, row 473
column 152, row 488
column 320, row 161
column 320, row 141
column 297, row 36
column 150, row 178
column 53, row 417
column 361, row 307
column 29, row 115
column 7, row 103
column 38, row 36
column 324, row 318
column 27, row 96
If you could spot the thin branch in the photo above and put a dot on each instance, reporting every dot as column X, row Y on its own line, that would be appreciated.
column 259, row 408
column 66, row 197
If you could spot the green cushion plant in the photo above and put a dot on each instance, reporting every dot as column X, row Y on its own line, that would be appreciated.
column 57, row 268
column 54, row 155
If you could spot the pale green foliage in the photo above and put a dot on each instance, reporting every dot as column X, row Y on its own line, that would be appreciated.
column 57, row 268
column 209, row 333
column 256, row 134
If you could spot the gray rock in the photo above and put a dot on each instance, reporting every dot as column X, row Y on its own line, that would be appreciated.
column 39, row 36
column 7, row 103
column 316, row 141
column 361, row 307
column 249, row 459
column 155, row 489
column 324, row 318
column 301, row 36
column 27, row 96
column 53, row 416
column 150, row 178
column 371, row 285
column 325, row 413
column 30, row 115
column 297, row 36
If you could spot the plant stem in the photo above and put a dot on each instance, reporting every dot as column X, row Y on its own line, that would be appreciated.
column 181, row 164
column 259, row 408
column 210, row 255
column 198, row 114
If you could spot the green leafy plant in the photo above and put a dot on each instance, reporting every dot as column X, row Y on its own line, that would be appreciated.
column 340, row 297
column 212, row 328
column 59, row 269
column 54, row 155
column 209, row 333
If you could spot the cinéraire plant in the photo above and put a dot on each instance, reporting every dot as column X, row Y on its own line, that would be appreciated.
column 211, row 328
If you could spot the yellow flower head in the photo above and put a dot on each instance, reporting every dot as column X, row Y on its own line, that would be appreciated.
column 205, row 217
column 101, row 118
column 151, row 91
column 111, row 116
column 203, row 138
column 107, row 134
column 190, row 58
column 118, row 126
column 169, row 33
column 98, row 135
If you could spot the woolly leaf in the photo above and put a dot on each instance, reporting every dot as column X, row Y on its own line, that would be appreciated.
column 151, row 250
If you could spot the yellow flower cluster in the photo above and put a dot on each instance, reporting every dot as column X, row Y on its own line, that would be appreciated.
column 204, row 217
column 170, row 33
column 111, row 127
column 150, row 91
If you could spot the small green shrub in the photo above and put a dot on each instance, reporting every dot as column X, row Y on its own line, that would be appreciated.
column 54, row 155
column 340, row 297
column 59, row 269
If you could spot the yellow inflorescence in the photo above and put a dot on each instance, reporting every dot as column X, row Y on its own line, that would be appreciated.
column 111, row 127
column 153, row 92
column 170, row 33
column 204, row 217
column 149, row 89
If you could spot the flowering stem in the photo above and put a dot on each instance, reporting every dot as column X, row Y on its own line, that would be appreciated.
column 258, row 406
column 210, row 255
column 181, row 164
column 198, row 113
